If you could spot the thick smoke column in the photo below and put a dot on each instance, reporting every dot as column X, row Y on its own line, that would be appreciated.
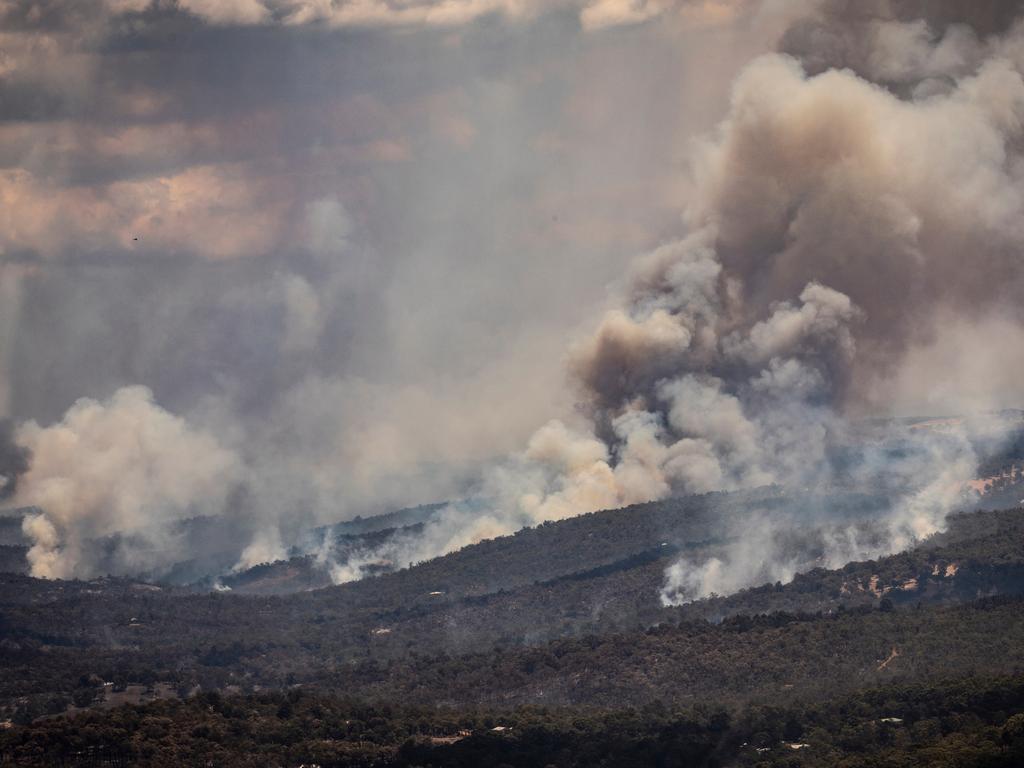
column 832, row 179
column 860, row 204
column 828, row 237
column 124, row 467
column 837, row 227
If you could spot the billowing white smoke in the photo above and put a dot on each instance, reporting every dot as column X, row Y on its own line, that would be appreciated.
column 123, row 467
column 932, row 479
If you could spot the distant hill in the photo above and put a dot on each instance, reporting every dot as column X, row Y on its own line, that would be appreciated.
column 212, row 562
column 10, row 527
column 595, row 576
column 400, row 518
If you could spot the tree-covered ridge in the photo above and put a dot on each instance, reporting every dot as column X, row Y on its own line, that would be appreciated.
column 597, row 635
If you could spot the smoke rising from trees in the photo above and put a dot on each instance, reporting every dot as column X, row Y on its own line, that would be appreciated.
column 830, row 226
column 850, row 225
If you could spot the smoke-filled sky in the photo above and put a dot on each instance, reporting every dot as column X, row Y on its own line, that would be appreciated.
column 306, row 259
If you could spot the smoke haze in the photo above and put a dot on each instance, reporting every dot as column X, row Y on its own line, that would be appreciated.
column 14, row 459
column 331, row 259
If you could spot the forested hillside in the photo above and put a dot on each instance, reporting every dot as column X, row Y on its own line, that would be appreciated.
column 962, row 722
column 567, row 616
column 597, row 576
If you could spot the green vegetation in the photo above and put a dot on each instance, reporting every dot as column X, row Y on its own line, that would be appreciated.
column 977, row 722
column 573, row 654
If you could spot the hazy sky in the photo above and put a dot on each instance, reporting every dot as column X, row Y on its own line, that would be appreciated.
column 361, row 245
column 404, row 209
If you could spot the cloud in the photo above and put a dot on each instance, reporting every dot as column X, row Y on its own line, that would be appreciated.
column 603, row 14
column 613, row 13
column 593, row 14
column 213, row 211
column 225, row 11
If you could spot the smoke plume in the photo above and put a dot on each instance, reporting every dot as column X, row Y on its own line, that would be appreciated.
column 841, row 221
column 123, row 467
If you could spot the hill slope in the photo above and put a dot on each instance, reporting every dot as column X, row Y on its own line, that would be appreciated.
column 372, row 635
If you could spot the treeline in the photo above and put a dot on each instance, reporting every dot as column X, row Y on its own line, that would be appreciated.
column 970, row 721
column 769, row 658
